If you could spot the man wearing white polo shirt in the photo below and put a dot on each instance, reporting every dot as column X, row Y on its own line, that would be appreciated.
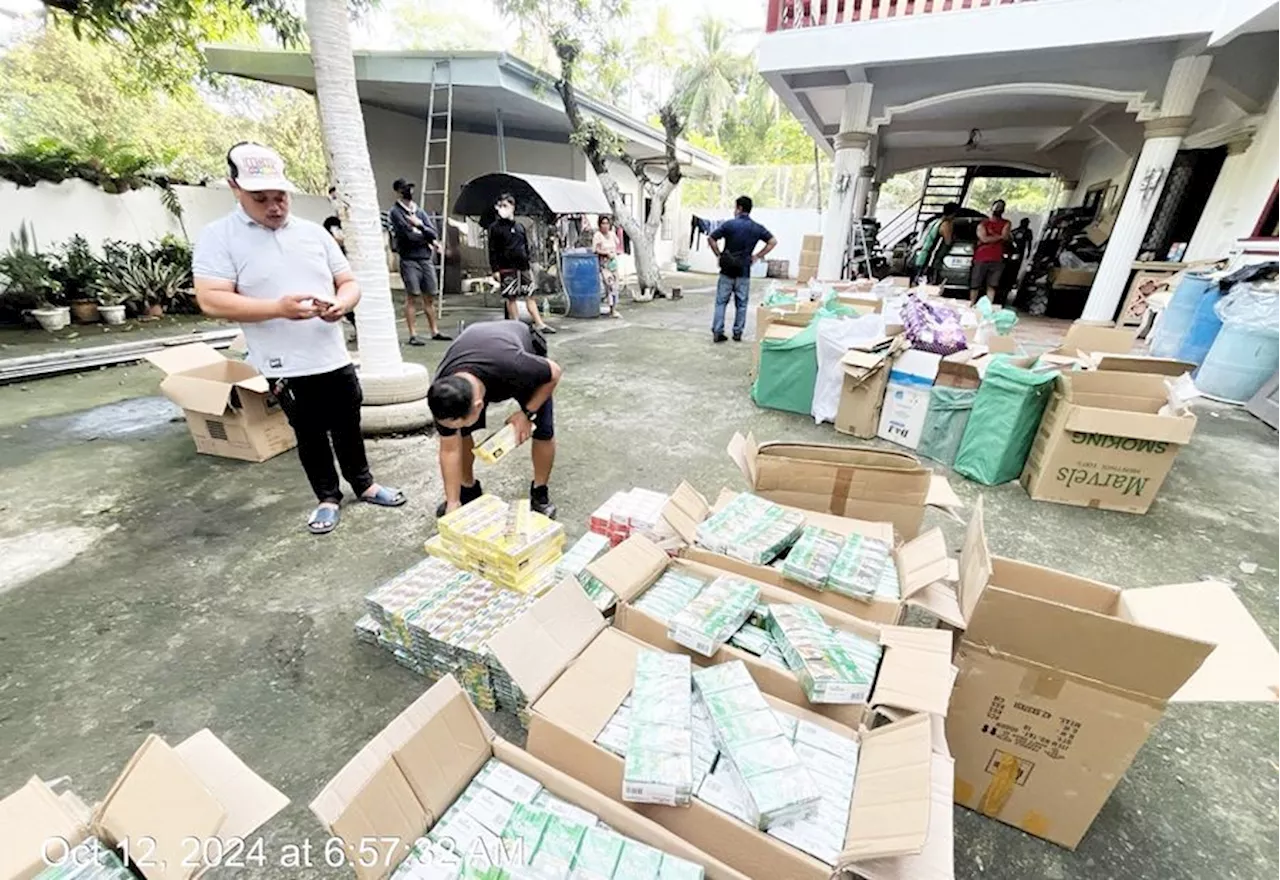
column 285, row 280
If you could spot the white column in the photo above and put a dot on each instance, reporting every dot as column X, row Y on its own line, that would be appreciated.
column 1212, row 238
column 873, row 198
column 1163, row 137
column 852, row 151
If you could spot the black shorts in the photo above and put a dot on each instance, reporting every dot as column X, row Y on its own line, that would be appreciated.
column 985, row 273
column 419, row 277
column 516, row 283
column 544, row 423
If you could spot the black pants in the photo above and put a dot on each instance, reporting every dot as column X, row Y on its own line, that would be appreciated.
column 324, row 411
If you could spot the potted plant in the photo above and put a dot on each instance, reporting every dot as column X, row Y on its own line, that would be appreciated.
column 140, row 278
column 27, row 282
column 111, row 305
column 76, row 269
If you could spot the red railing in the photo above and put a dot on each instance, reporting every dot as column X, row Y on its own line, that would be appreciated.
column 785, row 15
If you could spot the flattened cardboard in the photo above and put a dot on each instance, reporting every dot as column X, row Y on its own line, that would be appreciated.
column 250, row 801
column 875, row 485
column 937, row 860
column 541, row 641
column 30, row 818
column 1243, row 665
column 1084, row 337
column 915, row 673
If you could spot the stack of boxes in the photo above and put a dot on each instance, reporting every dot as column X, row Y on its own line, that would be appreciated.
column 830, row 669
column 810, row 251
column 659, row 757
column 751, row 529
column 508, row 544
column 625, row 513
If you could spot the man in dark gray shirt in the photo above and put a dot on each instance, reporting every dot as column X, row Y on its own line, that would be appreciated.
column 417, row 244
column 492, row 362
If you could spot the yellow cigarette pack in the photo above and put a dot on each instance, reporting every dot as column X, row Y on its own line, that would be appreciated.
column 497, row 445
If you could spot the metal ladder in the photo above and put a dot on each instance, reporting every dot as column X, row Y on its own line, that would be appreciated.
column 857, row 252
column 436, row 158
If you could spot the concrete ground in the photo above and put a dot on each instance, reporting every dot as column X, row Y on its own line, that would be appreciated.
column 145, row 589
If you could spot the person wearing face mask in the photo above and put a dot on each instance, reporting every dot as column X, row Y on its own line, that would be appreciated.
column 509, row 261
column 988, row 256
column 417, row 243
column 286, row 282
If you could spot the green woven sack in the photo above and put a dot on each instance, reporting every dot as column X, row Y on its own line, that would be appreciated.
column 1006, row 414
column 788, row 371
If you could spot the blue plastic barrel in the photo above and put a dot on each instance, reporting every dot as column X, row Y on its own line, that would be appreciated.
column 581, row 274
column 1204, row 328
column 1241, row 359
column 1179, row 315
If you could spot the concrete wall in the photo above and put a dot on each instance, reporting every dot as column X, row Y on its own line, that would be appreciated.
column 1102, row 162
column 788, row 225
column 73, row 207
column 1244, row 185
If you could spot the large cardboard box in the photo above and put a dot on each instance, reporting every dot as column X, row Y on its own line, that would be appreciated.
column 915, row 672
column 165, row 797
column 920, row 561
column 577, row 673
column 906, row 397
column 228, row 405
column 866, row 372
column 798, row 315
column 858, row 482
column 395, row 788
column 1108, row 440
column 1106, row 338
column 1062, row 679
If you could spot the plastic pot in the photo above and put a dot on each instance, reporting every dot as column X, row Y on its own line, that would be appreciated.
column 85, row 311
column 54, row 318
column 112, row 314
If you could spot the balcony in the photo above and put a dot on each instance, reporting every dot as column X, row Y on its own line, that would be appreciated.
column 786, row 15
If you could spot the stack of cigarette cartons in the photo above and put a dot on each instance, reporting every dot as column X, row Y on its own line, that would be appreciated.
column 624, row 513
column 574, row 564
column 438, row 796
column 508, row 544
column 659, row 757
column 751, row 529
column 578, row 673
column 715, row 614
column 670, row 594
column 830, row 669
column 777, row 787
column 858, row 570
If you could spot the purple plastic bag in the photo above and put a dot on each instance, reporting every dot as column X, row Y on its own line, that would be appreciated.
column 932, row 328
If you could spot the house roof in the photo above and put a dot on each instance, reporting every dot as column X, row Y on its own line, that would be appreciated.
column 484, row 83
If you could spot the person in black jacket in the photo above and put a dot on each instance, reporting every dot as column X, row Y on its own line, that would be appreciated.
column 509, row 260
column 417, row 243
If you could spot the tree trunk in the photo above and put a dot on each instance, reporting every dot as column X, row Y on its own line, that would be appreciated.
column 342, row 126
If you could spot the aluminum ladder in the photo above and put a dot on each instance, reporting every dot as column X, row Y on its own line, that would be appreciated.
column 436, row 158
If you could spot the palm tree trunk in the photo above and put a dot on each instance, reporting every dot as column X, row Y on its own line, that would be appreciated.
column 342, row 126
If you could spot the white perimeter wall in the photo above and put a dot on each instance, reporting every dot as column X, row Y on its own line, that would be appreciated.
column 788, row 225
column 74, row 207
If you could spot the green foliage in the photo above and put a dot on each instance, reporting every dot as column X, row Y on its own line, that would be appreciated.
column 164, row 36
column 76, row 269
column 26, row 276
column 1022, row 195
column 141, row 276
column 72, row 108
column 707, row 87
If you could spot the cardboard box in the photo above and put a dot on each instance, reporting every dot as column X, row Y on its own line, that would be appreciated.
column 1062, row 679
column 811, row 244
column 862, row 303
column 1107, row 440
column 858, row 482
column 914, row 673
column 906, row 397
column 1060, row 277
column 1085, row 337
column 396, row 787
column 798, row 315
column 866, row 372
column 228, row 405
column 920, row 561
column 779, row 327
column 577, row 673
column 165, row 795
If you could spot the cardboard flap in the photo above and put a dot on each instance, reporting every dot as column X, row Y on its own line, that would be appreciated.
column 940, row 600
column 630, row 568
column 180, row 358
column 861, row 365
column 160, row 797
column 1095, row 337
column 915, row 672
column 29, row 817
column 1135, row 363
column 250, row 801
column 744, row 451
column 1138, row 426
column 975, row 564
column 206, row 396
column 941, row 495
column 1242, row 668
column 889, row 815
column 684, row 510
column 537, row 646
column 584, row 698
column 937, row 860
column 256, row 384
column 921, row 561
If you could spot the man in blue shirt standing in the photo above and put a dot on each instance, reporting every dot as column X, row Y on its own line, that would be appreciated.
column 740, row 236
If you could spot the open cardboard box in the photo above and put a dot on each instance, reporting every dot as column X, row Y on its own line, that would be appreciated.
column 866, row 372
column 858, row 482
column 1107, row 438
column 165, row 797
column 227, row 403
column 915, row 672
column 920, row 561
column 395, row 788
column 576, row 673
column 1062, row 679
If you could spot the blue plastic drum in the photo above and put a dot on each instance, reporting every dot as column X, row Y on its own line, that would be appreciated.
column 1241, row 360
column 1179, row 316
column 581, row 274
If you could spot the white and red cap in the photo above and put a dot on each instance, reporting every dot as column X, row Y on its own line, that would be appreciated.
column 257, row 168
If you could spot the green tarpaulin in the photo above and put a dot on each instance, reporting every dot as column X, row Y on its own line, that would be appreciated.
column 788, row 371
column 1003, row 422
column 944, row 426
